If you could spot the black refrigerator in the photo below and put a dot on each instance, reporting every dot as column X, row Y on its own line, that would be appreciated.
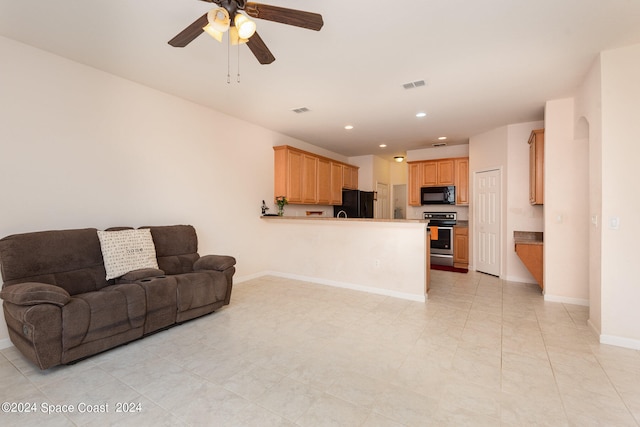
column 355, row 204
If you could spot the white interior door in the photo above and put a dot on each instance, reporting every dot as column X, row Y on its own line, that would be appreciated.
column 382, row 210
column 487, row 222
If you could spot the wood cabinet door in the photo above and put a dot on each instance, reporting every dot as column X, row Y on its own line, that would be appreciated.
column 536, row 167
column 324, row 182
column 446, row 172
column 336, row 184
column 414, row 184
column 350, row 178
column 460, row 247
column 428, row 174
column 310, row 179
column 295, row 164
column 462, row 181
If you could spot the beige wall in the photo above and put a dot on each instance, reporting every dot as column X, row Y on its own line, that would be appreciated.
column 388, row 258
column 566, row 207
column 620, row 155
column 588, row 119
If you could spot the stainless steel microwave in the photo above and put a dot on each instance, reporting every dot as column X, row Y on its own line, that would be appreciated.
column 438, row 195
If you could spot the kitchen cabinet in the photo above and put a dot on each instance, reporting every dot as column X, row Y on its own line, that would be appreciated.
column 329, row 182
column 429, row 173
column 307, row 178
column 536, row 167
column 336, row 184
column 460, row 246
column 414, row 184
column 462, row 181
column 349, row 177
column 439, row 172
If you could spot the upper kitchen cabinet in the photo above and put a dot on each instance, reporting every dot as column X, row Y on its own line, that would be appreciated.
column 349, row 177
column 308, row 179
column 329, row 182
column 414, row 183
column 462, row 181
column 536, row 167
column 439, row 172
column 430, row 173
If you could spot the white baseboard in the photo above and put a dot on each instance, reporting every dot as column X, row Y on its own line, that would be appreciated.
column 355, row 287
column 620, row 341
column 241, row 279
column 593, row 328
column 519, row 279
column 566, row 300
column 5, row 343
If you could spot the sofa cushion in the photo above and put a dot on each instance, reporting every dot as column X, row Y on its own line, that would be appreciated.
column 97, row 315
column 127, row 250
column 197, row 289
column 35, row 293
column 176, row 247
column 214, row 262
column 70, row 259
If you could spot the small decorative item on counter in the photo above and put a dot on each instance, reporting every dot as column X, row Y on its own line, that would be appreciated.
column 281, row 201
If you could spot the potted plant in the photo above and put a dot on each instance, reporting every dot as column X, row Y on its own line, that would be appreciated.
column 281, row 201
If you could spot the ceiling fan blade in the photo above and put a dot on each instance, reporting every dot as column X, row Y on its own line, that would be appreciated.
column 298, row 18
column 260, row 50
column 187, row 35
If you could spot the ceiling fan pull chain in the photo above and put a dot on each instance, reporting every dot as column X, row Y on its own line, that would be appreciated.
column 228, row 61
column 238, row 62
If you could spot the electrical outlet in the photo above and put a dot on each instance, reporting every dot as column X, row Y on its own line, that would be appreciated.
column 376, row 263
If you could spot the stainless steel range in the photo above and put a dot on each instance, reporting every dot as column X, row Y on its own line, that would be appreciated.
column 441, row 226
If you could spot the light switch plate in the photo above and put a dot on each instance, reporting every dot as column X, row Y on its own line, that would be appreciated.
column 614, row 223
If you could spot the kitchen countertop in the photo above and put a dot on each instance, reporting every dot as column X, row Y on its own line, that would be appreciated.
column 329, row 218
column 528, row 237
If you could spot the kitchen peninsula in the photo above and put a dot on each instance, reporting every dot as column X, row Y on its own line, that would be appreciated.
column 382, row 256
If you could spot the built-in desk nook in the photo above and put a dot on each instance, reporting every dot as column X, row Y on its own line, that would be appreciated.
column 530, row 248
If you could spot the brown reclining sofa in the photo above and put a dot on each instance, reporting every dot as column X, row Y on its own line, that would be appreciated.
column 60, row 307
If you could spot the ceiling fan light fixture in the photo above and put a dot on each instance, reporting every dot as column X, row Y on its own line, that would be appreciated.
column 213, row 33
column 235, row 38
column 219, row 19
column 218, row 23
column 246, row 27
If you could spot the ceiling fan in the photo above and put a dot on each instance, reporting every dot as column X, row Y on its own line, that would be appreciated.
column 228, row 18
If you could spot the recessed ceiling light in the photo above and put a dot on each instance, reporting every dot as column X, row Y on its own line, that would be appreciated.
column 421, row 114
column 442, row 138
column 348, row 127
column 383, row 145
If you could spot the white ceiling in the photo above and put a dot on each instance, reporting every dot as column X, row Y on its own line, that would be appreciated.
column 487, row 63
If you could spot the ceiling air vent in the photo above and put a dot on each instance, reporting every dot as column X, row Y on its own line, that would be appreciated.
column 300, row 110
column 439, row 144
column 413, row 85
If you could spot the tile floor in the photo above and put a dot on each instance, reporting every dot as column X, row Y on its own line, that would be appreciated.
column 480, row 352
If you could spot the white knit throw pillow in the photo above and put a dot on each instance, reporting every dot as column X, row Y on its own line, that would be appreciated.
column 127, row 250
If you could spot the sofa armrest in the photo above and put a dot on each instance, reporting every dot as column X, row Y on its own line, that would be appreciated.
column 142, row 273
column 214, row 262
column 33, row 293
